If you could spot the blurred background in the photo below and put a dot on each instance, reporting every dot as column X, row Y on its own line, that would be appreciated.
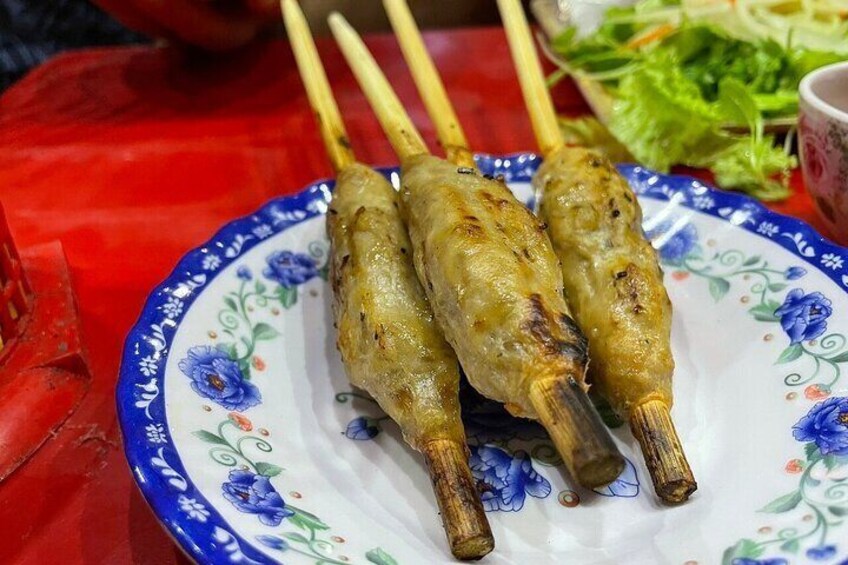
column 369, row 15
column 31, row 31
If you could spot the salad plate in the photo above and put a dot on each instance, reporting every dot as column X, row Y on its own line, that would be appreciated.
column 710, row 84
column 250, row 445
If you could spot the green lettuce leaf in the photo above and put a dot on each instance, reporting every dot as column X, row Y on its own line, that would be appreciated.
column 661, row 117
column 777, row 104
column 803, row 61
column 683, row 98
column 736, row 105
column 759, row 168
column 752, row 162
column 600, row 53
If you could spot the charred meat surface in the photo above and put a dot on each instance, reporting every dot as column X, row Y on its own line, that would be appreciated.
column 389, row 341
column 611, row 276
column 492, row 279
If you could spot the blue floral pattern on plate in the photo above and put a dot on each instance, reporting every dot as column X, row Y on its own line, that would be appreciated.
column 216, row 376
column 504, row 480
column 254, row 494
column 767, row 561
column 827, row 426
column 191, row 518
column 289, row 268
column 804, row 316
column 675, row 244
column 362, row 429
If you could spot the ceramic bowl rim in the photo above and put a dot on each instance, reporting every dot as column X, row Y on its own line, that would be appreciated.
column 809, row 96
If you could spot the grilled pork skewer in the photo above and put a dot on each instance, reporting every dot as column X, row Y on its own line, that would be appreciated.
column 611, row 274
column 390, row 344
column 494, row 284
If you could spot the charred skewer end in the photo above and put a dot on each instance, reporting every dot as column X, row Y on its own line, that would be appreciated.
column 600, row 471
column 578, row 433
column 466, row 526
column 670, row 472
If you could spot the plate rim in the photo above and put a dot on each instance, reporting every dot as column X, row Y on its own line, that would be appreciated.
column 212, row 540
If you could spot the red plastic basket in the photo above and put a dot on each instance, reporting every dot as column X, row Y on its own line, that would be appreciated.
column 14, row 291
column 43, row 369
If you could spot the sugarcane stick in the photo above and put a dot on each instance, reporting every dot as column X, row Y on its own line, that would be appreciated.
column 448, row 130
column 559, row 399
column 459, row 502
column 636, row 275
column 654, row 430
column 468, row 532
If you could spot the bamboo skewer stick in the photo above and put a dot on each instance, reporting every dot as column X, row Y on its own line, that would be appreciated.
column 464, row 520
column 652, row 426
column 317, row 87
column 564, row 409
column 402, row 134
column 429, row 84
column 650, row 421
column 530, row 77
column 459, row 502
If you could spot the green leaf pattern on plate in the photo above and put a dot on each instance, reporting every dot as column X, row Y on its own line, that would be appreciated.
column 231, row 444
column 821, row 497
column 820, row 361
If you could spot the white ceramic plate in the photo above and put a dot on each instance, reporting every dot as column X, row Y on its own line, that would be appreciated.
column 251, row 446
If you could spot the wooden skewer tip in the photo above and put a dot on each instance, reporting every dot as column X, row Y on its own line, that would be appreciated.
column 582, row 439
column 429, row 84
column 537, row 98
column 335, row 18
column 317, row 86
column 466, row 526
column 670, row 472
column 396, row 123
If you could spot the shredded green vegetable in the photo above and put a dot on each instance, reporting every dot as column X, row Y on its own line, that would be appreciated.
column 689, row 78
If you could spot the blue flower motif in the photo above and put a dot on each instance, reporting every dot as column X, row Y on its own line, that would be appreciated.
column 822, row 552
column 362, row 429
column 673, row 247
column 826, row 424
column 254, row 494
column 217, row 377
column 804, row 316
column 505, row 480
column 766, row 561
column 244, row 273
column 626, row 485
column 273, row 542
column 290, row 269
column 794, row 273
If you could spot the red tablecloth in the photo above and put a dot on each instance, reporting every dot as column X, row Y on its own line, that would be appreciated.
column 131, row 157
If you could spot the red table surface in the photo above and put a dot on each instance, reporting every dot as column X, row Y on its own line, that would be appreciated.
column 131, row 157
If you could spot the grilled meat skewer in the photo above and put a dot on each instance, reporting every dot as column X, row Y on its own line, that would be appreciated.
column 611, row 274
column 494, row 284
column 389, row 341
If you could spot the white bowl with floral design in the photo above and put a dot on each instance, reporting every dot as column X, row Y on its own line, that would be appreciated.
column 823, row 128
